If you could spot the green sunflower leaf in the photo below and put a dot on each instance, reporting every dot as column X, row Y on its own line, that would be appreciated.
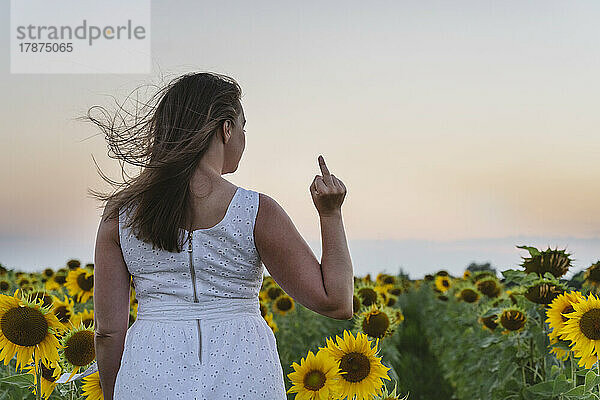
column 21, row 380
column 591, row 379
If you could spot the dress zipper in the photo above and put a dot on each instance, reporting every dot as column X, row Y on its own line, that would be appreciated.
column 193, row 274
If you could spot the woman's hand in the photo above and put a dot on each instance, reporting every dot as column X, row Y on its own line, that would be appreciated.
column 327, row 191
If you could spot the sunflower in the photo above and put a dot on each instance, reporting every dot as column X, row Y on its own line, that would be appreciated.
column 80, row 283
column 73, row 264
column 262, row 296
column 543, row 291
column 489, row 286
column 5, row 286
column 316, row 378
column 271, row 322
column 86, row 317
column 592, row 275
column 78, row 349
column 367, row 293
column 468, row 294
column 356, row 304
column 56, row 281
column 583, row 326
column 64, row 310
column 384, row 279
column 562, row 304
column 362, row 372
column 49, row 376
column 466, row 274
column 512, row 319
column 263, row 309
column 26, row 326
column 385, row 395
column 283, row 305
column 377, row 322
column 274, row 292
column 442, row 283
column 91, row 388
column 488, row 320
column 557, row 262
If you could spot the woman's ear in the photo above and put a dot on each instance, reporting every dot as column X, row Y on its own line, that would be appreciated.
column 226, row 130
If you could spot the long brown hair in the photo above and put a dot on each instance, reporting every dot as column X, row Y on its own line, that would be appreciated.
column 166, row 136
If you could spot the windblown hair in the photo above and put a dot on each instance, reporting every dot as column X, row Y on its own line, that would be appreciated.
column 167, row 137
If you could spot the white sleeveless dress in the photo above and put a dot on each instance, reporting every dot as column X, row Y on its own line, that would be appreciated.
column 199, row 333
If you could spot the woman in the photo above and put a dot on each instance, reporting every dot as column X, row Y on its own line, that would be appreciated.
column 194, row 245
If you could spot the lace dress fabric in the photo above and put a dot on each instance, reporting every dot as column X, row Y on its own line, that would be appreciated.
column 199, row 333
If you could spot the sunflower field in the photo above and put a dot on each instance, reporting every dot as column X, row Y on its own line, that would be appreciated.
column 528, row 335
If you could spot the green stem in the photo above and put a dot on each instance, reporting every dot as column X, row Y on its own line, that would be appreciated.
column 598, row 367
column 573, row 376
column 38, row 373
column 521, row 363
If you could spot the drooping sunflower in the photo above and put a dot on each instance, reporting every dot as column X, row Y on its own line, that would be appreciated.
column 543, row 291
column 80, row 284
column 442, row 283
column 362, row 372
column 91, row 388
column 557, row 262
column 283, row 305
column 512, row 319
column 316, row 378
column 377, row 322
column 562, row 304
column 487, row 319
column 27, row 329
column 78, row 349
column 50, row 375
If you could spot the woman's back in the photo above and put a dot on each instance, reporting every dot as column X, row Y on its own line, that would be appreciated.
column 199, row 315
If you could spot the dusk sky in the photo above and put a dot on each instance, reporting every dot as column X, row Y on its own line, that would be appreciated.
column 460, row 129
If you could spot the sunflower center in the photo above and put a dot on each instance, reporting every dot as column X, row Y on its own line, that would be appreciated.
column 84, row 283
column 469, row 295
column 356, row 365
column 568, row 309
column 368, row 295
column 62, row 313
column 284, row 304
column 24, row 326
column 512, row 320
column 60, row 279
column 376, row 324
column 79, row 349
column 4, row 286
column 445, row 283
column 590, row 324
column 274, row 292
column 314, row 380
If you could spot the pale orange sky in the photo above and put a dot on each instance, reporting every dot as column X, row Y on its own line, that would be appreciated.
column 445, row 123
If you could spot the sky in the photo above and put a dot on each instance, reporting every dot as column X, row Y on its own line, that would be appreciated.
column 460, row 129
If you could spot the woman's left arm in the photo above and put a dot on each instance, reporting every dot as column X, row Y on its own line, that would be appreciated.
column 111, row 303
